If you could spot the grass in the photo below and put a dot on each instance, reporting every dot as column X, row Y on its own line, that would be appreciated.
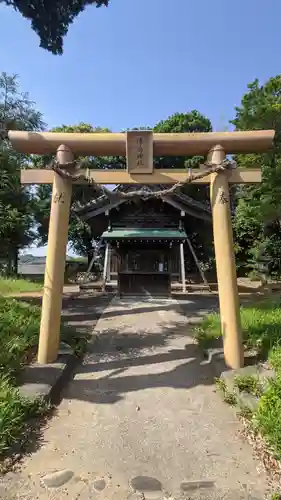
column 15, row 411
column 228, row 397
column 13, row 285
column 249, row 384
column 19, row 326
column 19, row 329
column 268, row 416
column 261, row 327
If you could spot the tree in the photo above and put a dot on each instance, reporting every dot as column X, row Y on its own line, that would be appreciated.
column 17, row 111
column 51, row 19
column 16, row 202
column 80, row 234
column 179, row 123
column 261, row 204
column 199, row 232
column 16, row 219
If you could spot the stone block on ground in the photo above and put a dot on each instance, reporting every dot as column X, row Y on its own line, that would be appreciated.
column 245, row 399
column 265, row 374
column 57, row 478
column 261, row 373
column 46, row 380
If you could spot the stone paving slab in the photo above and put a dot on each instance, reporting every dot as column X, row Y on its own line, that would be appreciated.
column 141, row 419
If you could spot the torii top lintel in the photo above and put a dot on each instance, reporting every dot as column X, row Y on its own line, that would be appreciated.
column 180, row 144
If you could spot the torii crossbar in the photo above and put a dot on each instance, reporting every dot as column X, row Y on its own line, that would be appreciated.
column 139, row 148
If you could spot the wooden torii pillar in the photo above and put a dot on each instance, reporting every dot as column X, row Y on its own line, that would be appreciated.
column 140, row 147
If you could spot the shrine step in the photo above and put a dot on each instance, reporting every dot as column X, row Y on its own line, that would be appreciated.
column 93, row 285
column 146, row 295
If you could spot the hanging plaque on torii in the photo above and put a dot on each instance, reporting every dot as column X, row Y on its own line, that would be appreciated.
column 139, row 151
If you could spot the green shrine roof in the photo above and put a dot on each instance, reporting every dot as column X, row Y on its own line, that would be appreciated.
column 144, row 234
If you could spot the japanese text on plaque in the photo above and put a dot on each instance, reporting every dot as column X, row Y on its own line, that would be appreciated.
column 140, row 152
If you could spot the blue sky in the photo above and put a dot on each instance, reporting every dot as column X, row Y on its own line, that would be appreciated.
column 139, row 61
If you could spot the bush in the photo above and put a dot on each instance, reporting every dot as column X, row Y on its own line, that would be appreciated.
column 268, row 416
column 14, row 411
column 261, row 327
column 19, row 329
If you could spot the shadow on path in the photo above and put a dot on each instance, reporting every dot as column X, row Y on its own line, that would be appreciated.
column 162, row 357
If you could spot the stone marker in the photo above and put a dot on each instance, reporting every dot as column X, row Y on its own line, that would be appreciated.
column 58, row 478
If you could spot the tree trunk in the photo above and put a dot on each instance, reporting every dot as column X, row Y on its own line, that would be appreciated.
column 9, row 264
column 89, row 255
column 12, row 261
column 15, row 260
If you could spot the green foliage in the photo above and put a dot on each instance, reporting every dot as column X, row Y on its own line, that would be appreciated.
column 261, row 327
column 245, row 412
column 179, row 123
column 249, row 384
column 247, row 227
column 14, row 412
column 16, row 204
column 258, row 207
column 208, row 330
column 200, row 234
column 17, row 111
column 51, row 20
column 184, row 122
column 19, row 330
column 19, row 327
column 268, row 415
column 228, row 397
column 15, row 209
column 220, row 384
column 10, row 286
column 275, row 356
column 79, row 234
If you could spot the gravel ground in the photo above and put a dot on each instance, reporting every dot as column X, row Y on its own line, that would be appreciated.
column 141, row 418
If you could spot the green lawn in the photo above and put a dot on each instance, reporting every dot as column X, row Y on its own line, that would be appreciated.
column 10, row 286
column 19, row 332
column 19, row 327
column 261, row 326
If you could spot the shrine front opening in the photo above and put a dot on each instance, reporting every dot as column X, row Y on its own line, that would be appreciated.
column 144, row 258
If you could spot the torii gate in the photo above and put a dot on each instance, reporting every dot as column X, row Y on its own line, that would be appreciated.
column 140, row 147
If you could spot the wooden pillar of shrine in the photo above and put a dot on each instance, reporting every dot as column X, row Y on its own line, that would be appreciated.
column 109, row 259
column 105, row 264
column 55, row 263
column 182, row 267
column 225, row 263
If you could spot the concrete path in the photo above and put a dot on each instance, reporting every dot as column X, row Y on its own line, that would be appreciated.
column 141, row 419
